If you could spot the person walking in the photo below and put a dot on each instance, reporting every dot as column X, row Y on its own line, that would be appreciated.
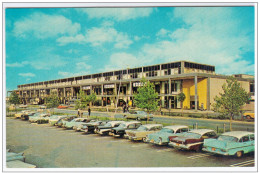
column 89, row 111
column 78, row 113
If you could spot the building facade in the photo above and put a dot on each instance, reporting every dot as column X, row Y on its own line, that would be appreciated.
column 197, row 81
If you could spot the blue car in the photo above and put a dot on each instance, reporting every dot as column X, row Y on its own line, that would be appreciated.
column 231, row 143
column 162, row 137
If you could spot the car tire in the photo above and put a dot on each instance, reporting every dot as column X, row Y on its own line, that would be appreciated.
column 248, row 117
column 239, row 154
column 144, row 139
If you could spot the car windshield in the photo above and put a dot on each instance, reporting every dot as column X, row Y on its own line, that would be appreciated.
column 108, row 125
column 141, row 113
column 227, row 138
column 192, row 135
column 142, row 128
column 122, row 125
column 166, row 130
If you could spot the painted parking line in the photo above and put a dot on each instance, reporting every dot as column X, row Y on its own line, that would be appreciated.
column 243, row 163
column 199, row 156
column 103, row 137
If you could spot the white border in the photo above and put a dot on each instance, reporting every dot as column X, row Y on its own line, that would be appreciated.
column 31, row 4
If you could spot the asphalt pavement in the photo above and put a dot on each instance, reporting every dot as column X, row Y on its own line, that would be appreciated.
column 50, row 147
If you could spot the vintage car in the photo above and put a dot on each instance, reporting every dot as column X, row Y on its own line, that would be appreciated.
column 38, row 116
column 19, row 114
column 138, row 115
column 249, row 115
column 74, row 122
column 90, row 127
column 55, row 118
column 192, row 140
column 231, row 143
column 27, row 115
column 128, row 125
column 104, row 130
column 61, row 122
column 162, row 137
column 143, row 131
column 77, row 127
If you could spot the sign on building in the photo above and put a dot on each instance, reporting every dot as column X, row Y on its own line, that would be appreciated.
column 86, row 87
column 109, row 86
column 137, row 84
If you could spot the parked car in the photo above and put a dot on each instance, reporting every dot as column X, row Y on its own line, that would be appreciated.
column 55, row 118
column 104, row 130
column 231, row 143
column 74, row 122
column 142, row 131
column 249, row 115
column 38, row 116
column 128, row 125
column 90, row 127
column 162, row 137
column 138, row 115
column 77, row 127
column 27, row 115
column 192, row 140
column 61, row 122
column 19, row 114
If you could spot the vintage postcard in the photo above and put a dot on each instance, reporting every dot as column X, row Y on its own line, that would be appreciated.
column 129, row 86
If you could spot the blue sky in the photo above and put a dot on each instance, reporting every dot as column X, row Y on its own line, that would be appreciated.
column 53, row 43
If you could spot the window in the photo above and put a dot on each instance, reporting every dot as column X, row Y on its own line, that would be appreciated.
column 252, row 137
column 244, row 139
column 131, row 126
column 184, row 130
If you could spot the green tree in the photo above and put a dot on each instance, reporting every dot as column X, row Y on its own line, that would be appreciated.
column 181, row 97
column 92, row 98
column 230, row 101
column 146, row 97
column 52, row 101
column 82, row 102
column 14, row 98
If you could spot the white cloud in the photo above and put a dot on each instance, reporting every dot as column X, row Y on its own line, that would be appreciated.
column 162, row 33
column 17, row 64
column 82, row 66
column 70, row 74
column 118, row 14
column 99, row 36
column 121, row 60
column 210, row 36
column 26, row 74
column 42, row 26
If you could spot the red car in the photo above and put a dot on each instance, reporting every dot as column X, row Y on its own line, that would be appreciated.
column 192, row 140
column 62, row 107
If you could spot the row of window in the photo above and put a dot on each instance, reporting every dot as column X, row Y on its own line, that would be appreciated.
column 199, row 66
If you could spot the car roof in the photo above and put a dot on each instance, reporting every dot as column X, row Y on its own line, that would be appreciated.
column 152, row 125
column 176, row 127
column 131, row 122
column 237, row 134
column 115, row 122
column 201, row 131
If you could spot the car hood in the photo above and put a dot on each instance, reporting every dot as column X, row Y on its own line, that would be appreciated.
column 118, row 128
column 104, row 127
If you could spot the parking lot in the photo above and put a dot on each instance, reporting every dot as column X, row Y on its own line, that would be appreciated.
column 50, row 147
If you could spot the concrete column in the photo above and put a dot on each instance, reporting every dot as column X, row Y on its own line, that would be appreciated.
column 182, row 67
column 91, row 89
column 196, row 92
column 170, row 82
column 116, row 89
column 208, row 94
column 169, row 102
column 34, row 93
column 64, row 95
column 102, row 89
column 130, row 88
column 72, row 93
